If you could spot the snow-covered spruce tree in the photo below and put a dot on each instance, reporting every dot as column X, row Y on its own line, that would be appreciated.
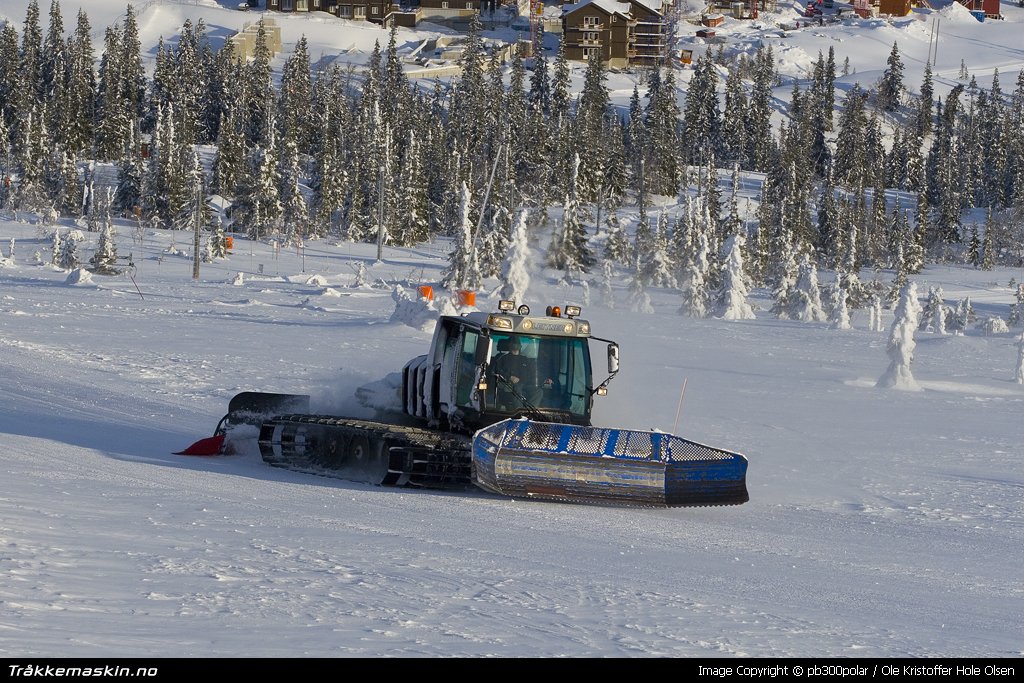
column 639, row 299
column 839, row 317
column 987, row 251
column 974, row 246
column 900, row 347
column 462, row 271
column 786, row 271
column 515, row 273
column 67, row 259
column 56, row 247
column 294, row 208
column 605, row 289
column 933, row 317
column 569, row 250
column 731, row 298
column 1019, row 374
column 617, row 247
column 875, row 314
column 1016, row 316
column 104, row 259
column 804, row 300
column 891, row 87
column 655, row 264
column 960, row 318
column 217, row 243
column 993, row 325
column 694, row 285
column 643, row 235
column 259, row 207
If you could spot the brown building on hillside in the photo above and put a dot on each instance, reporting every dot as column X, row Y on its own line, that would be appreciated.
column 631, row 33
column 300, row 5
column 599, row 28
column 651, row 39
column 377, row 11
column 894, row 8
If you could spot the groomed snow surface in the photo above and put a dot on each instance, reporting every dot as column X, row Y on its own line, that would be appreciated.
column 881, row 522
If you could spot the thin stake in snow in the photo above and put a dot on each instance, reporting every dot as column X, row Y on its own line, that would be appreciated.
column 679, row 408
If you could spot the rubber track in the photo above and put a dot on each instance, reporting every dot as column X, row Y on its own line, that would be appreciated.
column 415, row 456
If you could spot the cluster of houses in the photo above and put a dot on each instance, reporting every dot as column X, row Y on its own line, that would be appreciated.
column 623, row 34
column 981, row 9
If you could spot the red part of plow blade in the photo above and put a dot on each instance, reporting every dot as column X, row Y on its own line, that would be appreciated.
column 211, row 445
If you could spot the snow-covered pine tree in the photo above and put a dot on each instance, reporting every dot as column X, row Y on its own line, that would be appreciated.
column 515, row 272
column 731, row 299
column 900, row 347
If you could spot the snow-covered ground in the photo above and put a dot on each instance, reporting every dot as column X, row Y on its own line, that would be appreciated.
column 880, row 523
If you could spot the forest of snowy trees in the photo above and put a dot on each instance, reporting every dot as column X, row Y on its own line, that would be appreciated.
column 343, row 154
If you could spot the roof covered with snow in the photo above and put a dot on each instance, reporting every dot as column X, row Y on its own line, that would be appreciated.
column 607, row 6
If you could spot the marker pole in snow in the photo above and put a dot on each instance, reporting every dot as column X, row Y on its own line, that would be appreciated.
column 679, row 408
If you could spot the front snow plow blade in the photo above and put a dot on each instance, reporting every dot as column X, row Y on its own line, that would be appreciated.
column 523, row 458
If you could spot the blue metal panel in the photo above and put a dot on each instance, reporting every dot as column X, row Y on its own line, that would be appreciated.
column 600, row 465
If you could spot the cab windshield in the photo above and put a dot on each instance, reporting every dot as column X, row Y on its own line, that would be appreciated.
column 546, row 373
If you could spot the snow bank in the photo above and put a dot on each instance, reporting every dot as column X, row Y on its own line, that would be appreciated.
column 317, row 281
column 413, row 310
column 79, row 277
column 957, row 13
